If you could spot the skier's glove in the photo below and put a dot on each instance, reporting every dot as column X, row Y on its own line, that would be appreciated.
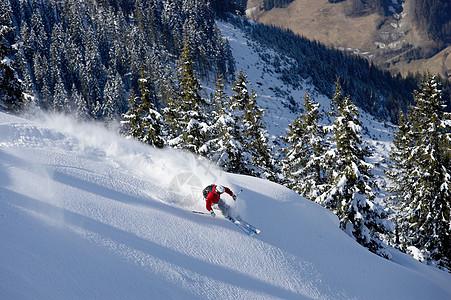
column 234, row 197
column 212, row 213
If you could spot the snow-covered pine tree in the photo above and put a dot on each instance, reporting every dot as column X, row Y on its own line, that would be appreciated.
column 132, row 119
column 81, row 109
column 222, row 147
column 240, row 94
column 225, row 141
column 337, row 101
column 422, row 156
column 399, row 174
column 303, row 165
column 142, row 121
column 351, row 193
column 211, row 149
column 57, row 62
column 60, row 98
column 95, row 72
column 240, row 156
column 11, row 97
column 23, row 69
column 161, row 76
column 112, row 96
column 294, row 153
column 256, row 140
column 186, row 109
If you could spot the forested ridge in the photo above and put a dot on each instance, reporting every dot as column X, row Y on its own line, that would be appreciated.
column 373, row 89
column 89, row 54
column 270, row 4
column 433, row 17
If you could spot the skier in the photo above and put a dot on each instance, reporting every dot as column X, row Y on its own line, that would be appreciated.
column 212, row 195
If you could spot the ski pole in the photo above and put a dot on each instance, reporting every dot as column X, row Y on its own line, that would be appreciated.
column 236, row 195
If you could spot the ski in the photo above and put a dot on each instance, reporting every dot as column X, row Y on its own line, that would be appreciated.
column 243, row 225
column 246, row 227
column 251, row 227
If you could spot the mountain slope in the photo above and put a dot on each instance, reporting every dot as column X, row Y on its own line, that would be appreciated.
column 88, row 214
column 323, row 21
column 390, row 40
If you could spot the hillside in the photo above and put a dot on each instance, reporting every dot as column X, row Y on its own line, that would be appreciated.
column 389, row 41
column 86, row 214
column 93, row 83
column 438, row 64
column 322, row 21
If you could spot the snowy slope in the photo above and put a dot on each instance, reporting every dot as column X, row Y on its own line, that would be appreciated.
column 86, row 214
column 274, row 94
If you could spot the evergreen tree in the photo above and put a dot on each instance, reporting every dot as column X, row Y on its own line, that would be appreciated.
column 11, row 97
column 240, row 93
column 112, row 97
column 237, row 139
column 240, row 156
column 81, row 109
column 399, row 173
column 46, row 97
column 57, row 56
column 351, row 193
column 337, row 101
column 303, row 165
column 212, row 148
column 142, row 121
column 223, row 148
column 422, row 161
column 39, row 39
column 60, row 97
column 256, row 140
column 41, row 71
column 186, row 109
column 94, row 72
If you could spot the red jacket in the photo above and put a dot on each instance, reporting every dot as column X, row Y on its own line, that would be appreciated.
column 214, row 197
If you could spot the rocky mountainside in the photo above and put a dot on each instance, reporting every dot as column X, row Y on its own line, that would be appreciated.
column 391, row 40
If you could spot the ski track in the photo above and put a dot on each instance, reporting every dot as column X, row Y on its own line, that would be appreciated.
column 82, row 188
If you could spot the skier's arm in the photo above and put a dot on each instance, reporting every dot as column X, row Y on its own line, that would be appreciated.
column 209, row 201
column 208, row 206
column 228, row 191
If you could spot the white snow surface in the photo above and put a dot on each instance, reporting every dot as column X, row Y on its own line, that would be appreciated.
column 88, row 214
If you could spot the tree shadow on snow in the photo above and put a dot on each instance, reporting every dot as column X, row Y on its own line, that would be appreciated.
column 151, row 249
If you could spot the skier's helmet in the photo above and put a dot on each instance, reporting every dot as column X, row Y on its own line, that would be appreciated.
column 220, row 189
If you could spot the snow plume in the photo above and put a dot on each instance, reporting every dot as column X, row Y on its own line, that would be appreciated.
column 36, row 178
column 183, row 174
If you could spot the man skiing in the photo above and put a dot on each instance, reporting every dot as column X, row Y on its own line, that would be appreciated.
column 212, row 195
